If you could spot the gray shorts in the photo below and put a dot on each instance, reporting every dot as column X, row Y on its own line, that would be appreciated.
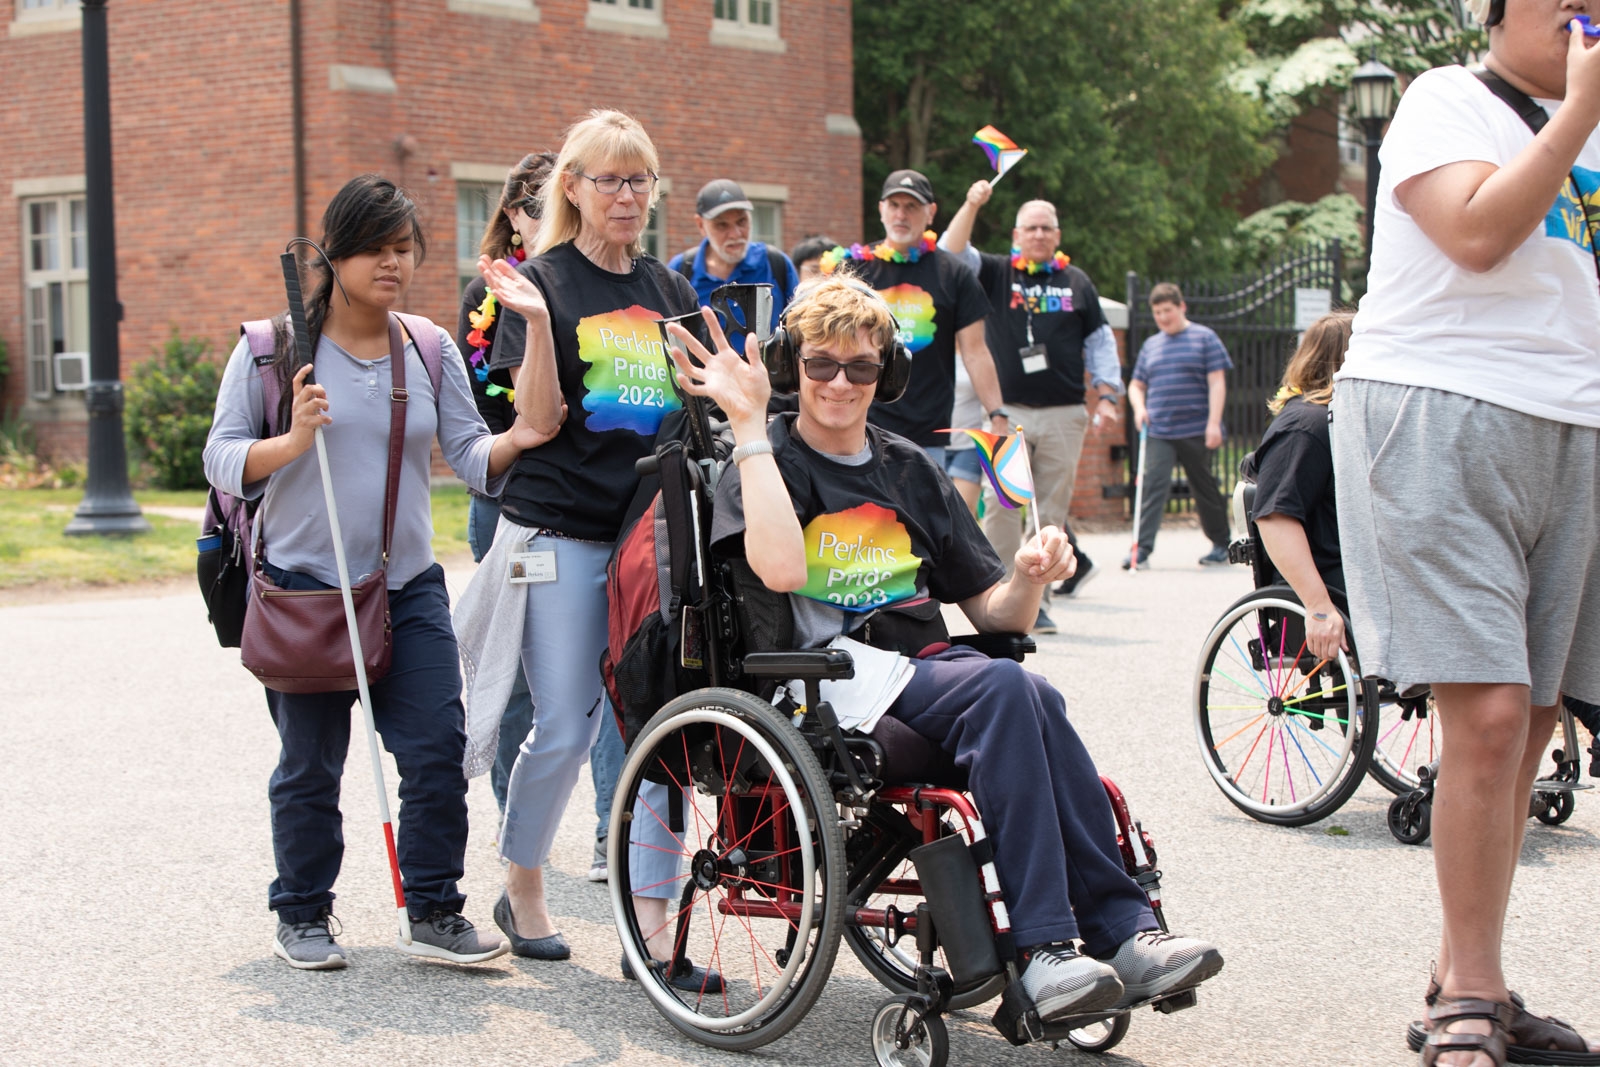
column 1469, row 533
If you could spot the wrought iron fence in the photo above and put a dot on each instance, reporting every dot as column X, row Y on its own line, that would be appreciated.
column 1258, row 317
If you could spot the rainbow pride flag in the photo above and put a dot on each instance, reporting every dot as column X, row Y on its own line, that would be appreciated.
column 1004, row 460
column 1002, row 151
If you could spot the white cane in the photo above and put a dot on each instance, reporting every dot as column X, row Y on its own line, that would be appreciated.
column 302, row 340
column 1138, row 496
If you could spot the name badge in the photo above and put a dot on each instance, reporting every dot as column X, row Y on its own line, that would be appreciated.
column 1034, row 359
column 527, row 568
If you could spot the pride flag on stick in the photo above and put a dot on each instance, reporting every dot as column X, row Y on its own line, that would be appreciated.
column 1005, row 461
column 1002, row 151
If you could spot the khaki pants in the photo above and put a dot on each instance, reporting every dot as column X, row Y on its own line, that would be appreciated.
column 1055, row 441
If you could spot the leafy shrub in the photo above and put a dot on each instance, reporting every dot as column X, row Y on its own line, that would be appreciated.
column 170, row 401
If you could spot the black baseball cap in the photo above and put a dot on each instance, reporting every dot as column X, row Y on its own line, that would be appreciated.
column 721, row 195
column 909, row 182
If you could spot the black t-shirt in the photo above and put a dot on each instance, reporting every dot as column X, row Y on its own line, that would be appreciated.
column 932, row 299
column 1063, row 309
column 888, row 532
column 1293, row 472
column 497, row 411
column 615, row 378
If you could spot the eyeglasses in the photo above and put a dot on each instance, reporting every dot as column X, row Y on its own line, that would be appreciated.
column 857, row 372
column 611, row 184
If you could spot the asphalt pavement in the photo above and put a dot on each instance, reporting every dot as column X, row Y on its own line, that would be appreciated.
column 134, row 860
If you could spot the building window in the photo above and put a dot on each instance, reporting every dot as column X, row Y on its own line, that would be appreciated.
column 645, row 8
column 654, row 237
column 757, row 15
column 46, row 9
column 766, row 223
column 55, row 284
column 475, row 202
column 641, row 18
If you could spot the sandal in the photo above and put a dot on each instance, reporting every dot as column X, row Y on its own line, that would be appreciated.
column 1542, row 1039
column 1446, row 1011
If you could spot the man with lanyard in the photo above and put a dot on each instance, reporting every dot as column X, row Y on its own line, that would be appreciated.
column 726, row 255
column 854, row 522
column 1045, row 325
column 939, row 307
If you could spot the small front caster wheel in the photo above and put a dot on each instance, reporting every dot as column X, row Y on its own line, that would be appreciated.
column 1410, row 819
column 1101, row 1036
column 900, row 1039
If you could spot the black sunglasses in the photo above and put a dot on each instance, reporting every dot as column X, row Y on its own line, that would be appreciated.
column 531, row 206
column 858, row 372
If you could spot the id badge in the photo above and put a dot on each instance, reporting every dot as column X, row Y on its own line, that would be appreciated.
column 528, row 568
column 1034, row 359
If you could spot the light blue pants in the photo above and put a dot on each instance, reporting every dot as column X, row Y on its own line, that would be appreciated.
column 563, row 635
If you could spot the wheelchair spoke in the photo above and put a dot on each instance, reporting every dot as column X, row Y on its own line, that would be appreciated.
column 1303, row 756
column 1288, row 775
column 1244, row 661
column 1242, row 729
column 1252, row 751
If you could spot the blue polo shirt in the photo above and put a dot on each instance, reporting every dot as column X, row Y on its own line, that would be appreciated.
column 754, row 269
column 1173, row 368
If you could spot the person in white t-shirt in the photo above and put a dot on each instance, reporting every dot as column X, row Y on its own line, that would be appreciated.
column 1465, row 426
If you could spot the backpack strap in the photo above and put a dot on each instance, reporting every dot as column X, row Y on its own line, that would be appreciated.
column 426, row 337
column 262, row 339
column 686, row 262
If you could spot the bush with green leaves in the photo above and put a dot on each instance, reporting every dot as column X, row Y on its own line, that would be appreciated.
column 170, row 401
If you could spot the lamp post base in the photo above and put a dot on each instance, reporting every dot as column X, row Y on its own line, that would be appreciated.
column 107, row 517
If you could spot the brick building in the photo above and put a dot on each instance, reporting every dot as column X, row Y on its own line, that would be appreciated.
column 442, row 95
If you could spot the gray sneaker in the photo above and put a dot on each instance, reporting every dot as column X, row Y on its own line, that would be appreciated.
column 449, row 936
column 1153, row 964
column 309, row 945
column 598, row 871
column 1061, row 983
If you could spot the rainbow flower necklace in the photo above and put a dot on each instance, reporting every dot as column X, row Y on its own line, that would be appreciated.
column 884, row 251
column 1057, row 262
column 482, row 321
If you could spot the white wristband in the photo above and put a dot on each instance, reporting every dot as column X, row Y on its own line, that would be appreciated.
column 751, row 448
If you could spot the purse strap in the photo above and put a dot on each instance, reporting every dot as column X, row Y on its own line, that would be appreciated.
column 398, row 398
column 1534, row 117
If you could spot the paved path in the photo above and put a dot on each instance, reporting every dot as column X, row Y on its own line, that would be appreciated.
column 134, row 858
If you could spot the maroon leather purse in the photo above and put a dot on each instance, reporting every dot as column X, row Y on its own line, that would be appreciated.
column 296, row 640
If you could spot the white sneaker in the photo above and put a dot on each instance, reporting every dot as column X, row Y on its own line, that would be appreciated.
column 1062, row 983
column 1152, row 964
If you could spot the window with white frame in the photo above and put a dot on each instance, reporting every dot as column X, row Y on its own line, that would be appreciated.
column 645, row 8
column 654, row 237
column 475, row 202
column 46, row 9
column 766, row 222
column 55, row 285
column 760, row 15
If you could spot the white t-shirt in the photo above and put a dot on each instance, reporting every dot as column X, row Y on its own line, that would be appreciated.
column 1525, row 335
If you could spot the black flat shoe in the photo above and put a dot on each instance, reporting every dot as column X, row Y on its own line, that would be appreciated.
column 685, row 975
column 554, row 947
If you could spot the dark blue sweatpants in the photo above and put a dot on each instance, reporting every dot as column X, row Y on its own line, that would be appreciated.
column 418, row 712
column 1038, row 793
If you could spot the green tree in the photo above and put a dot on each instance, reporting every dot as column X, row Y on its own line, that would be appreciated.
column 1124, row 105
column 171, row 398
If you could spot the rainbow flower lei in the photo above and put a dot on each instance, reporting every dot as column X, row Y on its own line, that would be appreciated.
column 482, row 320
column 884, row 251
column 1058, row 262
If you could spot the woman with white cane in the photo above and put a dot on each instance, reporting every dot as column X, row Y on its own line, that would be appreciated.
column 373, row 242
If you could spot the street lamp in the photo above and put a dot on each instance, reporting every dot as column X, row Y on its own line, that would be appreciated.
column 1373, row 88
column 108, row 505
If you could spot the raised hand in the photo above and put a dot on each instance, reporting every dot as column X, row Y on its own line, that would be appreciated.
column 738, row 384
column 511, row 288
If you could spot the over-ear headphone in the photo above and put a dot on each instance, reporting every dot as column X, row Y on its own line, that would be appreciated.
column 781, row 354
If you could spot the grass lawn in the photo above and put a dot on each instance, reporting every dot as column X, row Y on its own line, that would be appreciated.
column 34, row 550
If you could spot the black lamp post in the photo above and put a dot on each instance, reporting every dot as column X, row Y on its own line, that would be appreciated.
column 108, row 505
column 1373, row 87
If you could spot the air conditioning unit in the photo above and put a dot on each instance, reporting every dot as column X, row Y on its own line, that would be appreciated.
column 72, row 371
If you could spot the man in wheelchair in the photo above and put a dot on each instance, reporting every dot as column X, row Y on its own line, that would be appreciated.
column 868, row 537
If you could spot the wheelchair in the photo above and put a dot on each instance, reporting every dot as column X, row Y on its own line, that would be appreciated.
column 797, row 834
column 1287, row 736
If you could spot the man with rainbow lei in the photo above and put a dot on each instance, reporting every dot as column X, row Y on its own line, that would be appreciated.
column 939, row 308
column 1045, row 328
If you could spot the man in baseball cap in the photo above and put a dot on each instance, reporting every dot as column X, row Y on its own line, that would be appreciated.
column 727, row 255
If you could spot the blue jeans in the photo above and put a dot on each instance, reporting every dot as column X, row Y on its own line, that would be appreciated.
column 605, row 763
column 417, row 710
column 482, row 518
column 1055, row 841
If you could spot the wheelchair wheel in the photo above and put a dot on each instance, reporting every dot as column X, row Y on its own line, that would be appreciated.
column 1102, row 1036
column 1284, row 734
column 879, row 847
column 1552, row 807
column 758, row 830
column 1410, row 819
column 926, row 1043
column 1408, row 737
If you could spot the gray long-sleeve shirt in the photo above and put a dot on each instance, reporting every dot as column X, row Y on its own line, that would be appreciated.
column 293, row 519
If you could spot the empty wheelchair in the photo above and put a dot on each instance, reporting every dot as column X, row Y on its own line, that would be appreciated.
column 796, row 834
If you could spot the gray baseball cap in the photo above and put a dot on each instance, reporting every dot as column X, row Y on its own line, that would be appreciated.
column 721, row 195
column 909, row 182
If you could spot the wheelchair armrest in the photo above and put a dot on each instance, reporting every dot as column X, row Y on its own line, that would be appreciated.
column 819, row 663
column 998, row 646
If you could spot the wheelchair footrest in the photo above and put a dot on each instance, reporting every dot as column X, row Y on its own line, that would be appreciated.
column 1016, row 1018
column 1186, row 998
